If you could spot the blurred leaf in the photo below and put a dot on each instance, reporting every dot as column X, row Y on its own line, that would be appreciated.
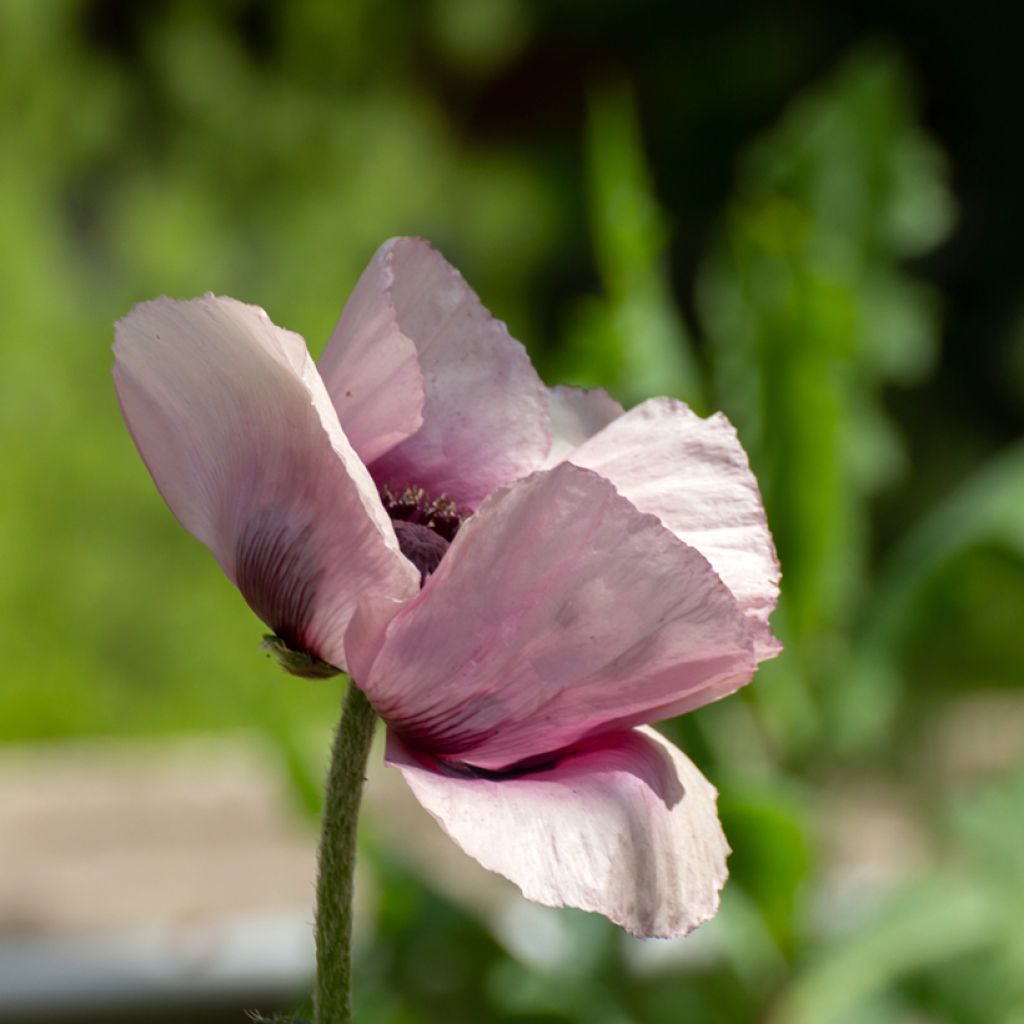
column 808, row 313
column 747, row 943
column 985, row 509
column 935, row 919
column 771, row 858
column 991, row 823
column 479, row 38
column 955, row 939
column 632, row 340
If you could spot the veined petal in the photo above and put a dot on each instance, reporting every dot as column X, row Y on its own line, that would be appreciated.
column 577, row 414
column 485, row 415
column 559, row 611
column 233, row 422
column 370, row 367
column 693, row 474
column 626, row 826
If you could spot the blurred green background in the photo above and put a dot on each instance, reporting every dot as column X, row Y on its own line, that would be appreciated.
column 808, row 218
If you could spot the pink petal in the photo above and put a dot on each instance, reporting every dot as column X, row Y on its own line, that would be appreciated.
column 485, row 416
column 559, row 611
column 236, row 428
column 694, row 476
column 626, row 827
column 370, row 368
column 576, row 414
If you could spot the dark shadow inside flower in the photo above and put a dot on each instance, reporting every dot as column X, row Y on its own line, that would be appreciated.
column 279, row 570
column 630, row 752
column 421, row 545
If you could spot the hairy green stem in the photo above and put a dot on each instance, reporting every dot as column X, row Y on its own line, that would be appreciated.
column 334, row 885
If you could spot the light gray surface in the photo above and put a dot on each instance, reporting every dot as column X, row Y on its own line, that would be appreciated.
column 239, row 958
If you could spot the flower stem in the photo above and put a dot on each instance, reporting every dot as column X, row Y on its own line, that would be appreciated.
column 334, row 887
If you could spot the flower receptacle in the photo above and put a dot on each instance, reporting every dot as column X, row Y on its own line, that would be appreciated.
column 297, row 663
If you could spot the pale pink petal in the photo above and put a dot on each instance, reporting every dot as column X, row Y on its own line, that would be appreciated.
column 235, row 426
column 693, row 474
column 485, row 415
column 559, row 611
column 365, row 634
column 370, row 368
column 576, row 414
column 626, row 827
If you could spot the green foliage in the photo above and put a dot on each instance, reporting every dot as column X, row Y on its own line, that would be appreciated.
column 982, row 517
column 191, row 167
column 631, row 339
column 954, row 937
column 809, row 313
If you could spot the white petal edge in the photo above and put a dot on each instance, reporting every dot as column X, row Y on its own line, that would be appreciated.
column 627, row 828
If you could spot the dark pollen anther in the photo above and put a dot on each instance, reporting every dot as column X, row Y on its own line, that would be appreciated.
column 424, row 526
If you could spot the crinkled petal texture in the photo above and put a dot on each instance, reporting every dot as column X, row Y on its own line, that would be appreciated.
column 431, row 387
column 693, row 474
column 626, row 826
column 559, row 612
column 240, row 436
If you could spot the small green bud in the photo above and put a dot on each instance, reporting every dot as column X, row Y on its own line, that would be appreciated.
column 298, row 663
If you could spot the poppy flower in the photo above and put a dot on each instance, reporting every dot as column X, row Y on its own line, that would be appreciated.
column 520, row 579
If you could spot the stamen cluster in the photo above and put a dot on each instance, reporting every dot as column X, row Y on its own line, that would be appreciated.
column 424, row 526
column 412, row 505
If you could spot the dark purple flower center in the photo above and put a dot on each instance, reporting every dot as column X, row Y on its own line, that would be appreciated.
column 424, row 526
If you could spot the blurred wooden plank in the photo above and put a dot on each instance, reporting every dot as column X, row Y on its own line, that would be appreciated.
column 142, row 875
column 136, row 875
column 96, row 835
